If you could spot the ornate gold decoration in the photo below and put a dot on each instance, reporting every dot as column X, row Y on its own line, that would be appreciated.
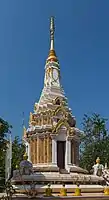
column 77, row 191
column 48, row 149
column 17, row 166
column 61, row 122
column 48, row 191
column 24, row 132
column 62, row 109
column 52, row 56
column 72, row 131
column 106, row 190
column 98, row 160
column 25, row 156
column 31, row 117
column 63, row 191
column 38, row 144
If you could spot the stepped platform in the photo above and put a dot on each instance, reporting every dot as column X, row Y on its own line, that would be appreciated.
column 56, row 177
column 88, row 196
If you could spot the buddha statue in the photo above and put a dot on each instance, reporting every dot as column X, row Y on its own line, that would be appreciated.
column 63, row 191
column 16, row 172
column 48, row 191
column 106, row 190
column 77, row 191
column 98, row 168
column 26, row 167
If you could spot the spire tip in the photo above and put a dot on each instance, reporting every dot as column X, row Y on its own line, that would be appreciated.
column 52, row 29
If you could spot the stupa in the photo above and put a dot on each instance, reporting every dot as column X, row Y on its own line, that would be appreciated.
column 52, row 139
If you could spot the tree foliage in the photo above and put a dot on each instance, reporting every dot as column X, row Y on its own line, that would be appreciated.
column 95, row 141
column 4, row 130
column 18, row 149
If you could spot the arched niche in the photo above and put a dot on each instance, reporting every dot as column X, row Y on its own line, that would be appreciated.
column 57, row 101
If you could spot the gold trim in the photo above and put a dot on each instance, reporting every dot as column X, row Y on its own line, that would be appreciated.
column 59, row 124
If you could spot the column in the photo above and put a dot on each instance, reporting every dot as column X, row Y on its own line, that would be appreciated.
column 41, row 150
column 48, row 148
column 34, row 151
column 28, row 150
column 45, row 149
column 37, row 149
column 54, row 151
column 73, row 152
column 77, row 153
column 31, row 147
column 68, row 152
column 29, row 153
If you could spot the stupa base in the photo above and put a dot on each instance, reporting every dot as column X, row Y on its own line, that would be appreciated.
column 84, row 196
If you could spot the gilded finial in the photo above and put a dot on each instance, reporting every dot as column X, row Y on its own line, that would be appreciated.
column 25, row 156
column 52, row 55
column 17, row 166
column 98, row 160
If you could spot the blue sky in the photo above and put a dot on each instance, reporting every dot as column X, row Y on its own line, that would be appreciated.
column 82, row 46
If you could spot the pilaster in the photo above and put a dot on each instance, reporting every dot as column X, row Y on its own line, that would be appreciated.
column 73, row 152
column 68, row 153
column 38, row 149
column 48, row 149
column 35, row 150
column 29, row 152
column 54, row 151
column 45, row 149
column 42, row 150
column 77, row 153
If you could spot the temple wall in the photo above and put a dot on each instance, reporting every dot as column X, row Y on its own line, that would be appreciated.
column 35, row 150
column 41, row 149
column 75, row 152
column 45, row 149
column 49, row 149
column 31, row 150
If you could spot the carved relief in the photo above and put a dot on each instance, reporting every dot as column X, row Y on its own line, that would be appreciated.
column 60, row 124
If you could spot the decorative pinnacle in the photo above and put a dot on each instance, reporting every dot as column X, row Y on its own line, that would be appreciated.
column 52, row 29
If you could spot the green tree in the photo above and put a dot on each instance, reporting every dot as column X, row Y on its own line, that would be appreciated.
column 95, row 141
column 18, row 149
column 4, row 130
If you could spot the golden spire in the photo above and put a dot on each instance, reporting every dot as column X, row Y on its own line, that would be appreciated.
column 52, row 55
